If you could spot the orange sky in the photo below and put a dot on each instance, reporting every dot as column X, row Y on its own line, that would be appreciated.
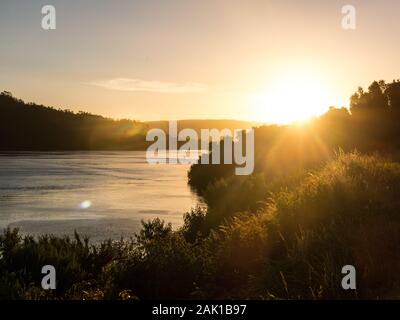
column 151, row 60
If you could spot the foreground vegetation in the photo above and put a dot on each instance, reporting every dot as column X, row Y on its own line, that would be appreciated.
column 294, row 247
column 312, row 206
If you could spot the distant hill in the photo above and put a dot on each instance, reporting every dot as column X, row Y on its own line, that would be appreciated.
column 32, row 127
column 28, row 126
column 198, row 124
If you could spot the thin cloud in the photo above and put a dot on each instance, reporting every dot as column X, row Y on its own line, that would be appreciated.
column 126, row 84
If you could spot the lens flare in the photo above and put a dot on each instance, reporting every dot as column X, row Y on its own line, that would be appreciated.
column 85, row 204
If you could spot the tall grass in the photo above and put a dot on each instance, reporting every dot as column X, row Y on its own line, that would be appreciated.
column 291, row 246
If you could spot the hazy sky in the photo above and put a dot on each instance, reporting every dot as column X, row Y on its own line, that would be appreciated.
column 171, row 59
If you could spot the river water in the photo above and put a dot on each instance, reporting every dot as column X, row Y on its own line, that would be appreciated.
column 99, row 194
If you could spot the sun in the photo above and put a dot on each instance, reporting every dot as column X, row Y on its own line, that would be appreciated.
column 292, row 98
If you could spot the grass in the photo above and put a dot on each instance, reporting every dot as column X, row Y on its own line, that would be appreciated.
column 291, row 246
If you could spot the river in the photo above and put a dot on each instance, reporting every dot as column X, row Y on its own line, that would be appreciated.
column 99, row 194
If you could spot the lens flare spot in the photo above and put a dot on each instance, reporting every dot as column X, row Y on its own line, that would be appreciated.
column 85, row 204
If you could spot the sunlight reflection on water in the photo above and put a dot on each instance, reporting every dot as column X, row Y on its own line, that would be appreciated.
column 102, row 194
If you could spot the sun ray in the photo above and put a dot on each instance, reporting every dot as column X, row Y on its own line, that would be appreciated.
column 295, row 97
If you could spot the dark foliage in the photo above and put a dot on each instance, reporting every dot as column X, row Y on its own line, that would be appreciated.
column 27, row 126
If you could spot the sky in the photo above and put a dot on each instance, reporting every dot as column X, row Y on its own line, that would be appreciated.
column 186, row 59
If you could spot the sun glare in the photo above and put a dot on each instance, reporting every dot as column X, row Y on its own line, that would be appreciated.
column 292, row 98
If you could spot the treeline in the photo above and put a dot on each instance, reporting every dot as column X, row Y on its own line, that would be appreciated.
column 283, row 152
column 29, row 127
column 199, row 124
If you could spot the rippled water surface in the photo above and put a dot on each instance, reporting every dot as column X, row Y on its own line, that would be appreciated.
column 100, row 194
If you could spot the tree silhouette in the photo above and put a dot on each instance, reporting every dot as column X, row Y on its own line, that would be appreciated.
column 28, row 126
